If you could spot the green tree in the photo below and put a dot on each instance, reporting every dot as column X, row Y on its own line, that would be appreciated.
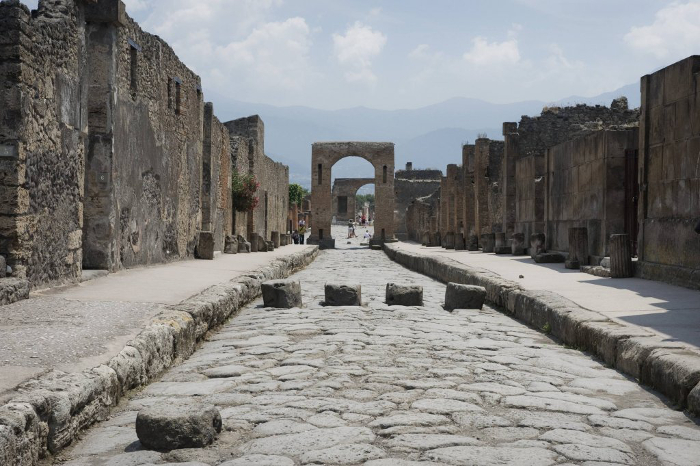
column 362, row 198
column 296, row 194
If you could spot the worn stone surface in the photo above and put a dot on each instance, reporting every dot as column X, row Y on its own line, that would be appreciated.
column 404, row 295
column 231, row 244
column 458, row 296
column 205, row 245
column 381, row 385
column 281, row 293
column 343, row 295
column 181, row 424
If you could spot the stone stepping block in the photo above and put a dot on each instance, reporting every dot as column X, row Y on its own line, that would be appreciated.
column 458, row 296
column 282, row 294
column 549, row 258
column 178, row 424
column 404, row 295
column 343, row 295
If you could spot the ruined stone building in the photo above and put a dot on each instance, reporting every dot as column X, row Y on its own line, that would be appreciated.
column 605, row 170
column 344, row 194
column 410, row 184
column 110, row 157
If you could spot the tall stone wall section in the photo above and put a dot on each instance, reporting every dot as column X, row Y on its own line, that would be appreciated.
column 43, row 126
column 525, row 148
column 420, row 216
column 585, row 187
column 468, row 161
column 669, row 208
column 409, row 185
column 273, row 193
column 109, row 157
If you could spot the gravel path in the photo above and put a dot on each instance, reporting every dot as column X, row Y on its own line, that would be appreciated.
column 380, row 385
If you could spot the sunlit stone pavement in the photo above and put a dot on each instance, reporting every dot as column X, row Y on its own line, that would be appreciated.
column 380, row 385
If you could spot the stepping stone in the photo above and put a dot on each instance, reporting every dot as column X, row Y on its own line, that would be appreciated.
column 404, row 295
column 283, row 294
column 343, row 295
column 178, row 424
column 458, row 296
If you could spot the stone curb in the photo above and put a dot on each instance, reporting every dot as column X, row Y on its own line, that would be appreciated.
column 50, row 411
column 671, row 368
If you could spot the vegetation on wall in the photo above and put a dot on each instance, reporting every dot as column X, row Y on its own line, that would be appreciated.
column 243, row 191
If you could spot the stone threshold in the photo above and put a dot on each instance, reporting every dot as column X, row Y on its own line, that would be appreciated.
column 671, row 368
column 49, row 412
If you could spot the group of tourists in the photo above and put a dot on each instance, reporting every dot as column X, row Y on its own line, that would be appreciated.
column 298, row 234
column 363, row 220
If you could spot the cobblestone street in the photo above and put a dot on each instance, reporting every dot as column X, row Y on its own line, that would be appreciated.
column 381, row 385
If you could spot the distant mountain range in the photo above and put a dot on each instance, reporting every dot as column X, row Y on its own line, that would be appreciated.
column 430, row 137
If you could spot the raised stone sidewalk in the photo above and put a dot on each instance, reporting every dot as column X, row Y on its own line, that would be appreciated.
column 68, row 355
column 646, row 329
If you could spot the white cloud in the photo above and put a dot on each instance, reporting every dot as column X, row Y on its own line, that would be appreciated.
column 356, row 49
column 484, row 53
column 674, row 33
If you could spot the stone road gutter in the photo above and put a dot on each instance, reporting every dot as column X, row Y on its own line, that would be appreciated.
column 671, row 368
column 50, row 411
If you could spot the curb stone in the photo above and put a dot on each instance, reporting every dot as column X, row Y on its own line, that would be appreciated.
column 669, row 367
column 50, row 411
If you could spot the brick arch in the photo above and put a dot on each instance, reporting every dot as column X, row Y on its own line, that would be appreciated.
column 347, row 187
column 326, row 154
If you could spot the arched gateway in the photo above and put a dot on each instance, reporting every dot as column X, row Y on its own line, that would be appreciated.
column 323, row 156
column 344, row 194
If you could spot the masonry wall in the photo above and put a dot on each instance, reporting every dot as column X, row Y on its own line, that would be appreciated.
column 669, row 248
column 43, row 125
column 420, row 215
column 585, row 186
column 525, row 148
column 468, row 154
column 273, row 193
column 455, row 201
column 410, row 185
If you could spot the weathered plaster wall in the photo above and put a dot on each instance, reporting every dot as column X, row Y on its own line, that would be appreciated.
column 669, row 248
column 585, row 187
column 43, row 124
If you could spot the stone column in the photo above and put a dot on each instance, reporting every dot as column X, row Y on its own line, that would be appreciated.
column 449, row 240
column 537, row 244
column 254, row 240
column 488, row 241
column 517, row 245
column 275, row 237
column 578, row 248
column 473, row 243
column 501, row 245
column 620, row 257
column 459, row 242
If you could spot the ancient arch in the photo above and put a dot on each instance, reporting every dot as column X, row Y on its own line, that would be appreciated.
column 344, row 193
column 323, row 156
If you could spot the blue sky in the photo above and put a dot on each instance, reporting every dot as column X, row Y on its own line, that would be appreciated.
column 410, row 53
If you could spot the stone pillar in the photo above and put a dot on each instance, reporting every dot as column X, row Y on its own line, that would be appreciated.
column 459, row 242
column 517, row 245
column 488, row 241
column 501, row 244
column 537, row 244
column 578, row 248
column 275, row 237
column 254, row 240
column 425, row 239
column 473, row 243
column 620, row 257
column 449, row 240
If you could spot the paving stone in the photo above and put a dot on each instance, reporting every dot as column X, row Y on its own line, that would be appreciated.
column 316, row 439
column 484, row 456
column 680, row 431
column 674, row 451
column 409, row 419
column 444, row 406
column 583, row 438
column 534, row 402
column 260, row 460
column 656, row 416
column 343, row 454
column 480, row 421
column 429, row 441
column 588, row 453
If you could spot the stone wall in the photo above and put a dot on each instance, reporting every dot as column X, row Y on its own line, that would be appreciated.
column 43, row 126
column 524, row 154
column 109, row 156
column 420, row 216
column 272, row 210
column 469, row 215
column 344, row 194
column 585, row 187
column 410, row 185
column 669, row 208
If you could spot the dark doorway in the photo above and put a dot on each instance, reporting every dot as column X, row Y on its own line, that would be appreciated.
column 342, row 204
